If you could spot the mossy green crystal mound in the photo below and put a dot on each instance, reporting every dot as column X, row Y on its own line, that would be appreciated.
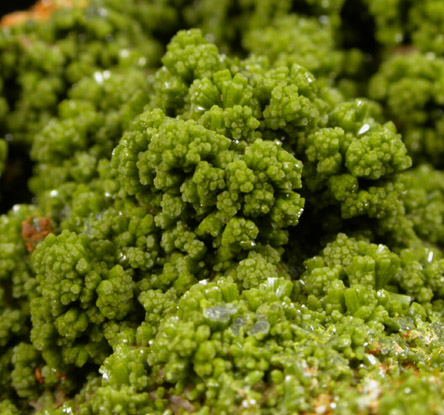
column 237, row 208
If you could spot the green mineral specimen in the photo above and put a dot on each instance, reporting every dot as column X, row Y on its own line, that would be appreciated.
column 231, row 207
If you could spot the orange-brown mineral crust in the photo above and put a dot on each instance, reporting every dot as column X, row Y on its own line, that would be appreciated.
column 35, row 230
column 42, row 10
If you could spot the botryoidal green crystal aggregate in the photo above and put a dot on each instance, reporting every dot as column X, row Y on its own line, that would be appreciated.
column 235, row 207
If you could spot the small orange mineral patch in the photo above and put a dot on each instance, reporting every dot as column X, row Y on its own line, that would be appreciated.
column 35, row 230
column 375, row 349
column 38, row 375
column 61, row 377
column 42, row 10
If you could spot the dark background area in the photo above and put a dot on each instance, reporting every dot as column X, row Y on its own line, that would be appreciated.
column 8, row 6
column 19, row 166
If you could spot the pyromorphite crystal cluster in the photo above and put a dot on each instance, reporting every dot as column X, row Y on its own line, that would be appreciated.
column 222, row 207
